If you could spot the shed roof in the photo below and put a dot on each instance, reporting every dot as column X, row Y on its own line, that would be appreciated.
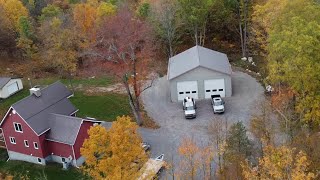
column 195, row 57
column 63, row 128
column 36, row 110
column 4, row 81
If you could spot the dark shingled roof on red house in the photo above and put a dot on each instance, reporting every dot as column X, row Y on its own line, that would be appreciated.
column 37, row 111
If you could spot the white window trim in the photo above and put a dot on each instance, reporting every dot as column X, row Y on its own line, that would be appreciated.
column 62, row 159
column 26, row 144
column 15, row 142
column 34, row 145
column 40, row 160
column 14, row 125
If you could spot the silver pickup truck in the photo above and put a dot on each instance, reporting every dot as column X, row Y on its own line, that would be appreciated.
column 217, row 104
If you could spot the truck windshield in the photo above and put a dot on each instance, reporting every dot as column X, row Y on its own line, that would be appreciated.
column 190, row 108
column 217, row 103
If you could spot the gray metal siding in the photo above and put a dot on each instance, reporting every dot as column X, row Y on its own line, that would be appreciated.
column 4, row 93
column 200, row 74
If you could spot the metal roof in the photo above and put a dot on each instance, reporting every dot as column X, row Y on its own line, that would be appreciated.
column 198, row 56
column 4, row 81
column 36, row 110
column 63, row 128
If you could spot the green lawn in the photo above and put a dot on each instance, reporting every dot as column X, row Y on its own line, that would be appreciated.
column 103, row 107
column 5, row 104
column 34, row 171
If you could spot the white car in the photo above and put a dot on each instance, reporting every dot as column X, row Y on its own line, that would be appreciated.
column 189, row 107
column 217, row 104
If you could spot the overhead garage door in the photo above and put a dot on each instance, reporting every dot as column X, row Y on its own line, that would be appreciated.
column 12, row 88
column 213, row 87
column 187, row 88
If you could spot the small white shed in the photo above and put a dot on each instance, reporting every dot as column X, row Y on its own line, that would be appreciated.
column 9, row 86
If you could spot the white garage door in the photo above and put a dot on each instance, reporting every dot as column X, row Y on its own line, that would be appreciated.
column 213, row 87
column 12, row 88
column 187, row 88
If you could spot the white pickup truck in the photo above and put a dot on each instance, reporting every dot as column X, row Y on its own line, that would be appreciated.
column 189, row 107
column 217, row 104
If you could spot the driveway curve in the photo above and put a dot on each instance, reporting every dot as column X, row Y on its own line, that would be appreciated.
column 174, row 127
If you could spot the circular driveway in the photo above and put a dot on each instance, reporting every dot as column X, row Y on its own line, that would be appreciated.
column 170, row 116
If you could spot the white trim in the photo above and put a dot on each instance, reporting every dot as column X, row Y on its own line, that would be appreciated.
column 70, row 95
column 77, row 133
column 25, row 144
column 44, row 131
column 40, row 160
column 74, row 156
column 6, row 115
column 12, row 138
column 26, row 122
column 14, row 125
column 58, row 142
column 73, row 112
column 34, row 145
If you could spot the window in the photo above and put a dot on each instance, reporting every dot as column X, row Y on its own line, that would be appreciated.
column 194, row 91
column 13, row 140
column 180, row 92
column 35, row 145
column 26, row 143
column 39, row 160
column 63, row 159
column 220, row 89
column 214, row 90
column 208, row 90
column 17, row 127
column 188, row 92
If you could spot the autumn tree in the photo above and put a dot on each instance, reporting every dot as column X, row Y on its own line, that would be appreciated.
column 125, row 45
column 190, row 163
column 13, row 10
column 167, row 22
column 263, row 124
column 279, row 163
column 292, row 59
column 59, row 46
column 238, row 147
column 195, row 15
column 114, row 153
column 218, row 135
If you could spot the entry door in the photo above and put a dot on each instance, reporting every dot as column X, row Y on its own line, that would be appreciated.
column 214, row 87
column 187, row 89
column 12, row 88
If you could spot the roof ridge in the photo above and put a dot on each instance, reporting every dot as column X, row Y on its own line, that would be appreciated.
column 31, row 94
column 73, row 117
column 47, row 107
column 198, row 55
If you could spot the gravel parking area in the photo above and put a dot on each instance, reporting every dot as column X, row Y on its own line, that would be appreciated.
column 246, row 92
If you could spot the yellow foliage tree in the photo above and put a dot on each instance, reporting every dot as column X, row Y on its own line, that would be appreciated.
column 190, row 162
column 115, row 153
column 13, row 10
column 279, row 163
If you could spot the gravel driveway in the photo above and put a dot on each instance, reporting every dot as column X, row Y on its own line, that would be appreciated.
column 170, row 116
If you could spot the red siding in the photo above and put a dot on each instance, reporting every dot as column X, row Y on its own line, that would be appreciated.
column 59, row 149
column 28, row 134
column 83, row 134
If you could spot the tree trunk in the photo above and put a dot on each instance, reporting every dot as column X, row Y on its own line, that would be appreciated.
column 132, row 103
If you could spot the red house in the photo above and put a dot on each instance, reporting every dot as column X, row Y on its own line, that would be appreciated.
column 43, row 128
